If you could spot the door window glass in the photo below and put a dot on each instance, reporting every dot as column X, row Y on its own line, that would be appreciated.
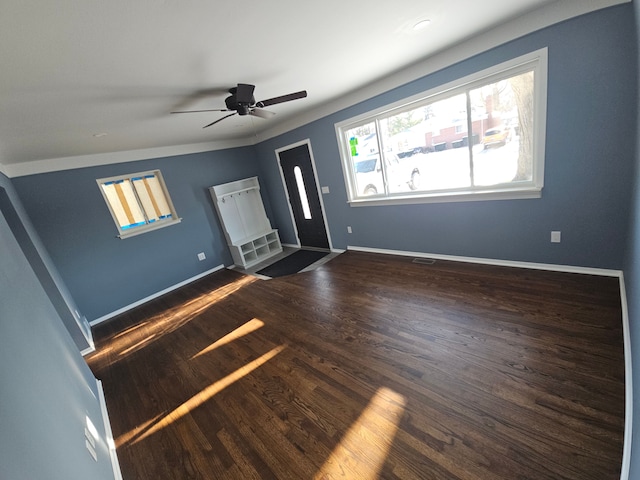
column 304, row 200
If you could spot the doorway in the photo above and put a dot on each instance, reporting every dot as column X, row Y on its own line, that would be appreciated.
column 299, row 179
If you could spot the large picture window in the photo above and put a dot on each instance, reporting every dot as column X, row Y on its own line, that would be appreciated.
column 138, row 202
column 479, row 138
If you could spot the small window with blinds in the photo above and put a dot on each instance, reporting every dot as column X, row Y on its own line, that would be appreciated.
column 138, row 203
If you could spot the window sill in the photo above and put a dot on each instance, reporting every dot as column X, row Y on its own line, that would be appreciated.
column 148, row 228
column 448, row 197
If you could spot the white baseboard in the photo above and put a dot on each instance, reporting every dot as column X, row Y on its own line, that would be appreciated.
column 490, row 261
column 88, row 350
column 95, row 322
column 111, row 445
column 628, row 384
column 626, row 457
column 628, row 422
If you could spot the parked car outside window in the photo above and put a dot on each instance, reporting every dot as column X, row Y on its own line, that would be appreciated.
column 401, row 176
column 497, row 136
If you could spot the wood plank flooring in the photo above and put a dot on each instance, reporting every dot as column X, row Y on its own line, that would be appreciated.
column 370, row 367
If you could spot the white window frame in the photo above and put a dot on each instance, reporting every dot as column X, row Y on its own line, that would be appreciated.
column 536, row 61
column 149, row 224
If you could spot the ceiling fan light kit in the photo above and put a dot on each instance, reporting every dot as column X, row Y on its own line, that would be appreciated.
column 242, row 102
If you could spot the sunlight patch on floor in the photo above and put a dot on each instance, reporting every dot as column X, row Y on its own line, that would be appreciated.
column 209, row 392
column 131, row 434
column 138, row 336
column 249, row 327
column 363, row 450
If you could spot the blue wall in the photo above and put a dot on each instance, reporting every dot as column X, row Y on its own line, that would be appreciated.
column 35, row 252
column 591, row 193
column 105, row 273
column 590, row 143
column 589, row 165
column 46, row 388
column 632, row 283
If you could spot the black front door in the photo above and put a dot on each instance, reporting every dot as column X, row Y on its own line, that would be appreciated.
column 302, row 191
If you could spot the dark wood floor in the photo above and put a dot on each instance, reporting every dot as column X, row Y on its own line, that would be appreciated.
column 370, row 367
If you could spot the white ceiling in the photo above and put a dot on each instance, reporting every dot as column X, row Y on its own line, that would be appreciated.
column 73, row 70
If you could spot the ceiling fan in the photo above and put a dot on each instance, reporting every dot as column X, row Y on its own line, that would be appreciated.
column 242, row 102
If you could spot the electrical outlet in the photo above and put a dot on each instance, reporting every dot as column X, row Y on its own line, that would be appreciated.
column 325, row 190
column 91, row 437
column 555, row 237
column 201, row 256
column 349, row 229
column 91, row 449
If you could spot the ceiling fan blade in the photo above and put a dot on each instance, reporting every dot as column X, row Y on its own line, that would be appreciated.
column 220, row 119
column 244, row 93
column 259, row 112
column 198, row 111
column 282, row 99
column 200, row 95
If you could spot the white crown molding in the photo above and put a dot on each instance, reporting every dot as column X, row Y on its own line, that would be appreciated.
column 556, row 12
column 84, row 161
column 543, row 17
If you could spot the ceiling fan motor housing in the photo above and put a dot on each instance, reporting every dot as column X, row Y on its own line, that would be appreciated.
column 242, row 108
column 242, row 102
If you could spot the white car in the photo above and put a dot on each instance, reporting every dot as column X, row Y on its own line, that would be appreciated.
column 402, row 175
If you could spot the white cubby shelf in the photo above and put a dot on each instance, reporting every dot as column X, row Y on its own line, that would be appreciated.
column 246, row 227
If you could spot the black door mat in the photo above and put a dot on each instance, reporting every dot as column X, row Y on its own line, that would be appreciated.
column 292, row 263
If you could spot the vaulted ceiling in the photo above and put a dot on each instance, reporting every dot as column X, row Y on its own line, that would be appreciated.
column 91, row 77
